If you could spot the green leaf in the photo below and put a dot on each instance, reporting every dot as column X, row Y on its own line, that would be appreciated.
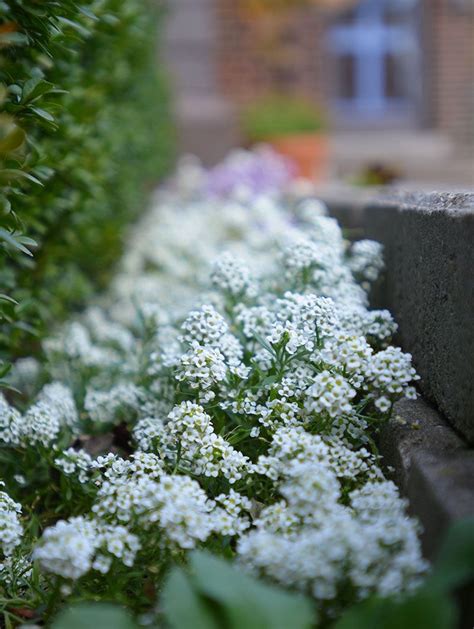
column 263, row 342
column 13, row 241
column 13, row 173
column 4, row 369
column 8, row 299
column 269, row 380
column 98, row 615
column 13, row 39
column 182, row 605
column 35, row 88
column 455, row 563
column 6, row 385
column 25, row 240
column 247, row 602
column 43, row 114
column 83, row 32
column 424, row 610
column 88, row 13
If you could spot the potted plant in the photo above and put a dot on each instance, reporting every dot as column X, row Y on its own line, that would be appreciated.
column 294, row 127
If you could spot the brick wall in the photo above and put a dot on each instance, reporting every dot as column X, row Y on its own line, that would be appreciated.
column 256, row 56
column 452, row 67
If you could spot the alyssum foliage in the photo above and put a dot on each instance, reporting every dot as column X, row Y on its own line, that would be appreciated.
column 84, row 130
column 223, row 396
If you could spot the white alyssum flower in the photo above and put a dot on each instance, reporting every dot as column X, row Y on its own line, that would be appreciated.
column 104, row 406
column 60, row 397
column 53, row 411
column 202, row 449
column 140, row 464
column 11, row 530
column 329, row 395
column 72, row 548
column 176, row 504
column 232, row 277
column 11, row 423
column 312, row 542
column 67, row 548
column 202, row 367
column 75, row 463
column 294, row 444
column 108, row 332
column 366, row 260
column 349, row 353
column 74, row 344
column 389, row 373
column 322, row 559
column 205, row 326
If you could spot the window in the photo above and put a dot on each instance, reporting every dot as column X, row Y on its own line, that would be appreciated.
column 376, row 50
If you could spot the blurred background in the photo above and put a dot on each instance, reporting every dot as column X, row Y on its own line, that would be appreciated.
column 363, row 91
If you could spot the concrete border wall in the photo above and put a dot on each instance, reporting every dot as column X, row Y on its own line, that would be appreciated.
column 433, row 467
column 428, row 285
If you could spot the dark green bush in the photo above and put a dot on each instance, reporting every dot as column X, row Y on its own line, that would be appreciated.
column 85, row 133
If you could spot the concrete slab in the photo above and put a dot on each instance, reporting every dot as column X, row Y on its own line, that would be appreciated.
column 433, row 467
column 428, row 284
column 429, row 287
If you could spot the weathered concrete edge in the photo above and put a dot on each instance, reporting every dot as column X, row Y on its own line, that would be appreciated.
column 429, row 202
column 428, row 285
column 432, row 464
column 350, row 208
column 433, row 467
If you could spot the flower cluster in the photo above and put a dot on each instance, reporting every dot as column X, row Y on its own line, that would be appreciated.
column 106, row 406
column 221, row 399
column 72, row 548
column 232, row 277
column 53, row 413
column 209, row 454
column 10, row 528
column 313, row 540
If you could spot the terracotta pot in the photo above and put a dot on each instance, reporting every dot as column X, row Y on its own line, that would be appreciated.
column 309, row 152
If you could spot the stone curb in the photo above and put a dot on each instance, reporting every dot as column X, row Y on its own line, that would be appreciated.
column 428, row 286
column 433, row 467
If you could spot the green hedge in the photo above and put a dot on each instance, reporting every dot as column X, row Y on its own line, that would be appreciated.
column 85, row 133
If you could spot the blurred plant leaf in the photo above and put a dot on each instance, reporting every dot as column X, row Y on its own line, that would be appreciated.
column 10, row 174
column 223, row 596
column 455, row 563
column 35, row 88
column 16, row 241
column 13, row 39
column 425, row 610
column 183, row 606
column 99, row 615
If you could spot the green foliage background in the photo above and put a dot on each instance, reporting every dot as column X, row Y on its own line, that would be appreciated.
column 85, row 132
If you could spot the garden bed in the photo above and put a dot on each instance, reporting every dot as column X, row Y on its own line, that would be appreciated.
column 225, row 395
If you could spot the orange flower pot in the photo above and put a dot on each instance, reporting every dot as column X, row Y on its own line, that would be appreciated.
column 308, row 151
